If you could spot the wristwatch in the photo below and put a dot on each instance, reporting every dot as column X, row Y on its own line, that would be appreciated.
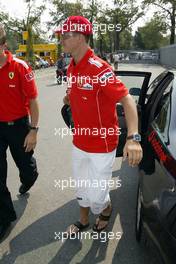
column 34, row 128
column 135, row 137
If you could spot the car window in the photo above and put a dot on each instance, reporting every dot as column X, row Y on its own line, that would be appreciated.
column 157, row 99
column 133, row 83
column 165, row 121
column 167, row 91
column 172, row 127
column 154, row 84
column 162, row 120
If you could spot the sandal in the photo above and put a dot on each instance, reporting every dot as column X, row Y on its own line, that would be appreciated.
column 103, row 218
column 79, row 226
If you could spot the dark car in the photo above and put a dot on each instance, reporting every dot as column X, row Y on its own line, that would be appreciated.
column 156, row 195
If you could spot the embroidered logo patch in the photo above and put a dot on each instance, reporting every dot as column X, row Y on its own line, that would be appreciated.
column 84, row 83
column 106, row 76
column 87, row 86
column 29, row 76
column 11, row 75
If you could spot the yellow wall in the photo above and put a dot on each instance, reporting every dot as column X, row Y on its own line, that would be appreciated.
column 52, row 48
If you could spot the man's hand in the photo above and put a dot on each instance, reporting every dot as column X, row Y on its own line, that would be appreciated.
column 30, row 141
column 133, row 151
column 66, row 100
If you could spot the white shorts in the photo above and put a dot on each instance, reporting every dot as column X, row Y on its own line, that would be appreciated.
column 92, row 172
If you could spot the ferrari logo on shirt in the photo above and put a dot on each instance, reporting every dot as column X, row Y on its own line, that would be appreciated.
column 11, row 75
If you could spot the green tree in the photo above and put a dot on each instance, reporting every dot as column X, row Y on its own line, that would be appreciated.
column 121, row 17
column 151, row 36
column 125, row 13
column 126, row 39
column 32, row 22
column 13, row 29
column 92, row 13
column 61, row 9
column 102, row 34
column 168, row 12
column 138, row 40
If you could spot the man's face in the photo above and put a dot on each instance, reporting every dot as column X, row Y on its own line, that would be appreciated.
column 70, row 41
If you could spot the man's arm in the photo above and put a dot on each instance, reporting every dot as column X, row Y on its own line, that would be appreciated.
column 31, row 138
column 132, row 149
column 66, row 100
column 34, row 111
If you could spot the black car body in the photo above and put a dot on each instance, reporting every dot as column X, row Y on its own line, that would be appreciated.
column 156, row 195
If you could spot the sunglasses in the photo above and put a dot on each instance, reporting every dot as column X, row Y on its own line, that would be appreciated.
column 68, row 35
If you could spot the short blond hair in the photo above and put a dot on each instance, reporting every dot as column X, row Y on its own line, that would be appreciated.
column 2, row 34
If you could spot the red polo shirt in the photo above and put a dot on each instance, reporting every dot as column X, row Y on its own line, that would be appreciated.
column 94, row 91
column 17, row 87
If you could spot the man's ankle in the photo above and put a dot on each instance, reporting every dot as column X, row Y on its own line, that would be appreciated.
column 108, row 208
column 84, row 215
column 84, row 220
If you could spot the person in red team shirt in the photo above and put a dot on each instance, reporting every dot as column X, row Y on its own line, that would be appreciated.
column 18, row 100
column 93, row 91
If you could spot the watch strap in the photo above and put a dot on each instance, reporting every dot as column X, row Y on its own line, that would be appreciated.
column 130, row 137
column 135, row 137
column 34, row 128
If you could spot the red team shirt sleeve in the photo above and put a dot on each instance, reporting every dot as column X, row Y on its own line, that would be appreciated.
column 28, row 84
column 112, row 86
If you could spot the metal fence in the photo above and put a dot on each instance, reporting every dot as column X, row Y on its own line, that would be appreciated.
column 136, row 56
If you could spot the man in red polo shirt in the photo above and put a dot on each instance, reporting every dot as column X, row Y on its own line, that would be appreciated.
column 93, row 91
column 18, row 100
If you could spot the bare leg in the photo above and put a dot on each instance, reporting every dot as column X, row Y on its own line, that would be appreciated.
column 106, row 212
column 84, row 215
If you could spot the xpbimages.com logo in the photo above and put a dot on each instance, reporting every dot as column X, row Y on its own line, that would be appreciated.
column 106, row 77
column 94, row 184
column 97, row 27
column 104, row 28
column 102, row 236
column 102, row 132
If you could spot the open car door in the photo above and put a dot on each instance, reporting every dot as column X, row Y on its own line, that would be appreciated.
column 137, row 83
column 146, row 97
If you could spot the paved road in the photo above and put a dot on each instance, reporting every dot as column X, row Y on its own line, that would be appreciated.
column 48, row 210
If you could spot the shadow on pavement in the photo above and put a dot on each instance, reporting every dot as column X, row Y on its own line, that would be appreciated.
column 52, row 84
column 20, row 206
column 42, row 232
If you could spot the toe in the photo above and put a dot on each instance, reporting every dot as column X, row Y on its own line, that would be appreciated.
column 72, row 229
